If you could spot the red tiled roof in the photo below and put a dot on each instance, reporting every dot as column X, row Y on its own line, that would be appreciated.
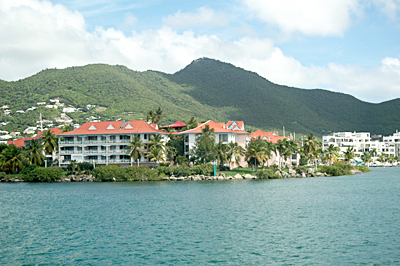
column 177, row 124
column 218, row 128
column 270, row 136
column 55, row 131
column 114, row 127
column 239, row 124
column 21, row 141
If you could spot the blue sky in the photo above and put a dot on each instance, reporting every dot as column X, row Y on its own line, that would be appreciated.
column 348, row 46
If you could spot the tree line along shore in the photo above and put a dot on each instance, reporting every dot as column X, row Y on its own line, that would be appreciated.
column 29, row 163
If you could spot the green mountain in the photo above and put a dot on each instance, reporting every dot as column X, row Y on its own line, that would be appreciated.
column 205, row 89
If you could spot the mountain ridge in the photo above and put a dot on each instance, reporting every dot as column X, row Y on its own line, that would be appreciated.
column 205, row 89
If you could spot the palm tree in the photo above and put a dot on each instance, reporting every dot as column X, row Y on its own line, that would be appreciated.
column 135, row 149
column 310, row 146
column 50, row 142
column 367, row 158
column 156, row 155
column 156, row 141
column 256, row 150
column 349, row 154
column 222, row 156
column 192, row 123
column 66, row 128
column 12, row 159
column 34, row 151
column 331, row 153
column 281, row 148
column 158, row 115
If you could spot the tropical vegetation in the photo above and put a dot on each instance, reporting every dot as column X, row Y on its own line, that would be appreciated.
column 205, row 89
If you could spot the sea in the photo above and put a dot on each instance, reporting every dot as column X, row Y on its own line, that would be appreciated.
column 346, row 220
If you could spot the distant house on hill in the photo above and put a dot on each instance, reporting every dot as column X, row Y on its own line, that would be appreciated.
column 22, row 142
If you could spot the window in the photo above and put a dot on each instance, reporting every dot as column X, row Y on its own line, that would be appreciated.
column 223, row 137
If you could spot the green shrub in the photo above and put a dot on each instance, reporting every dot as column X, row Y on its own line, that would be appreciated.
column 182, row 171
column 337, row 169
column 165, row 170
column 107, row 173
column 42, row 174
column 267, row 174
column 363, row 169
column 301, row 169
column 29, row 168
column 111, row 172
column 203, row 169
column 3, row 175
column 85, row 166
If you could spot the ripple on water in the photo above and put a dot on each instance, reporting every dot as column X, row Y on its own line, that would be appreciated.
column 336, row 221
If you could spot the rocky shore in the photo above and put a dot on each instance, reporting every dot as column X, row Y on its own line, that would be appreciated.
column 290, row 174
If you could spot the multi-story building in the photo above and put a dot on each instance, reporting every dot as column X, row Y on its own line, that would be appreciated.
column 361, row 142
column 273, row 137
column 392, row 144
column 233, row 131
column 105, row 142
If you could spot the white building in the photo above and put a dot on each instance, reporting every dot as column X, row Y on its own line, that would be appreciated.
column 230, row 132
column 361, row 142
column 392, row 144
column 69, row 109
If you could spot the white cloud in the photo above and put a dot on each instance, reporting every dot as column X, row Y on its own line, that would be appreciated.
column 310, row 17
column 388, row 7
column 41, row 35
column 204, row 17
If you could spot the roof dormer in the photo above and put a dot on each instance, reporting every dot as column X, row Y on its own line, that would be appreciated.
column 110, row 127
column 92, row 127
column 129, row 126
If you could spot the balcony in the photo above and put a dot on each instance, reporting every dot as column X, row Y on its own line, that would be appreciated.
column 67, row 152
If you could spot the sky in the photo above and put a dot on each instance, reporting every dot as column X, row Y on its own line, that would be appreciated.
column 346, row 46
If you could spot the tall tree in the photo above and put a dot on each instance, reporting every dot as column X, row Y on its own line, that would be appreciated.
column 366, row 157
column 192, row 123
column 221, row 150
column 150, row 116
column 256, row 150
column 204, row 150
column 134, row 147
column 50, row 142
column 174, row 147
column 156, row 155
column 34, row 151
column 156, row 141
column 310, row 147
column 66, row 128
column 11, row 159
column 331, row 153
column 281, row 148
column 349, row 154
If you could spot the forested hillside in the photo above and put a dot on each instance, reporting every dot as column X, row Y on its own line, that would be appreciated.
column 205, row 89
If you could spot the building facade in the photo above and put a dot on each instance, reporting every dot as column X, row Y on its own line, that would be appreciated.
column 360, row 141
column 105, row 143
column 233, row 131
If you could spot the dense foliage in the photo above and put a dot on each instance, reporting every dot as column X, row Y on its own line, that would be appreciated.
column 205, row 89
column 114, row 172
column 42, row 174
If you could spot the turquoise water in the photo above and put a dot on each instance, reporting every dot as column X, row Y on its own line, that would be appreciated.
column 311, row 221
